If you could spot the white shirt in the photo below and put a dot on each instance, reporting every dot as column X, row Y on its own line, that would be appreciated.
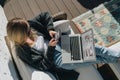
column 41, row 44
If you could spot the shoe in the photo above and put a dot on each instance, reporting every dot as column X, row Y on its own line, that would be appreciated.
column 59, row 16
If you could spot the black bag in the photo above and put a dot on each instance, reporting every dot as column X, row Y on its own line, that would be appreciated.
column 63, row 74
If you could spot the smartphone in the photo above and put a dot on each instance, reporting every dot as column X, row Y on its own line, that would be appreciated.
column 57, row 35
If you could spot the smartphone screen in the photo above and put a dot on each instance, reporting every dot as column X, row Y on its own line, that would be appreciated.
column 57, row 35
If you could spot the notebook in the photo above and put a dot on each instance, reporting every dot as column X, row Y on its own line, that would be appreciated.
column 78, row 48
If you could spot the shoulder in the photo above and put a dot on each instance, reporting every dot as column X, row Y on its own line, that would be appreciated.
column 22, row 48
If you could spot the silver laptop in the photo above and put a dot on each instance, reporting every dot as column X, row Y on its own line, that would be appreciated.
column 78, row 48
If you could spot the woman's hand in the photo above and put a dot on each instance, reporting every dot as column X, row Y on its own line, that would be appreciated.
column 52, row 33
column 53, row 42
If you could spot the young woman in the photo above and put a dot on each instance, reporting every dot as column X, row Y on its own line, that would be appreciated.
column 31, row 49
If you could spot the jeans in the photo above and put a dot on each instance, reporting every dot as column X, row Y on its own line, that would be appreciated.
column 103, row 55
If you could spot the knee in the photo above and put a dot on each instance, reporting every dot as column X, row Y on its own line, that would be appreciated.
column 107, row 51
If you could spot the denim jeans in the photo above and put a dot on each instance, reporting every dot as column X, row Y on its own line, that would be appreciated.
column 103, row 55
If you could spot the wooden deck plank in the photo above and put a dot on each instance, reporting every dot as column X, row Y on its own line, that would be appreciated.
column 16, row 8
column 30, row 8
column 71, row 8
column 26, row 9
column 62, row 7
column 79, row 7
column 52, row 6
column 9, row 11
column 43, row 6
column 34, row 7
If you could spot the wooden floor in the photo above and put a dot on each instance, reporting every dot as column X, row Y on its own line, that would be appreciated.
column 30, row 8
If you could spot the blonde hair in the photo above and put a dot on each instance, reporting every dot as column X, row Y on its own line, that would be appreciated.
column 18, row 30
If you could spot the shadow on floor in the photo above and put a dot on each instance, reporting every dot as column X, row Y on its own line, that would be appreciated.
column 2, row 2
column 113, row 6
column 90, row 4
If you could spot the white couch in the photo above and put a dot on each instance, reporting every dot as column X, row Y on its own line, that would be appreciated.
column 116, row 66
column 7, row 68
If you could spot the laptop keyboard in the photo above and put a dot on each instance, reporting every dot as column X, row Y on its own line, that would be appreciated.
column 75, row 48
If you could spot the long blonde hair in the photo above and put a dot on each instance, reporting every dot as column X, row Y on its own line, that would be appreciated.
column 18, row 30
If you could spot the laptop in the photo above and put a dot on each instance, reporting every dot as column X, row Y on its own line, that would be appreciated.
column 78, row 48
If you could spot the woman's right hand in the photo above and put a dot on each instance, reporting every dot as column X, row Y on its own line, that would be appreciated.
column 53, row 42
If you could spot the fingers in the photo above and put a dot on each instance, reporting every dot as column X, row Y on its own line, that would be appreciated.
column 53, row 42
column 52, row 33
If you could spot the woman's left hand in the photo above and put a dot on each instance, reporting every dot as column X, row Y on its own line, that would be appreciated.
column 52, row 33
column 53, row 42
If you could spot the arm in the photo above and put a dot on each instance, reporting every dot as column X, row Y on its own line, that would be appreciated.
column 43, row 23
column 45, row 19
column 49, row 53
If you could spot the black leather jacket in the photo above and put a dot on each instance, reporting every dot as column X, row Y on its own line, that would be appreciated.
column 39, row 60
